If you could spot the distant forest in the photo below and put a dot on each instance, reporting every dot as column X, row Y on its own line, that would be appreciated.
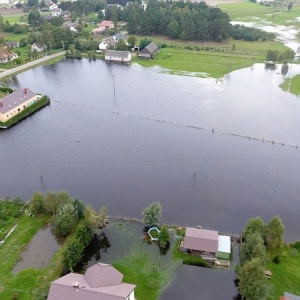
column 177, row 20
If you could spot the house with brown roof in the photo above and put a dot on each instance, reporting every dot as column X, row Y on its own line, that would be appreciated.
column 100, row 282
column 149, row 51
column 14, row 103
column 104, row 25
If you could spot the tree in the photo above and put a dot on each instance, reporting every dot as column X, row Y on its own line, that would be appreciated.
column 253, row 248
column 255, row 225
column 93, row 219
column 274, row 234
column 290, row 6
column 163, row 237
column 66, row 219
column 73, row 254
column 80, row 208
column 36, row 203
column 173, row 30
column 34, row 17
column 51, row 203
column 252, row 281
column 121, row 45
column 152, row 213
column 131, row 41
column 145, row 42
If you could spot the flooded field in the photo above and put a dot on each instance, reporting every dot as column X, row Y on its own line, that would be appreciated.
column 39, row 252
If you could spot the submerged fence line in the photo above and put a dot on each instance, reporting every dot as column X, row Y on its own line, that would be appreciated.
column 123, row 218
column 273, row 142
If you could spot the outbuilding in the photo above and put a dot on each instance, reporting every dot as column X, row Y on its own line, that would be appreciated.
column 224, row 247
column 118, row 56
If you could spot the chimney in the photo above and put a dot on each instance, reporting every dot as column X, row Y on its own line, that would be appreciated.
column 25, row 91
column 75, row 284
column 1, row 104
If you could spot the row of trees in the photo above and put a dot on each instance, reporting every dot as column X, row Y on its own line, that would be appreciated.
column 184, row 20
column 258, row 239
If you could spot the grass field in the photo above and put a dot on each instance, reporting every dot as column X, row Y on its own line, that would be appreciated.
column 30, row 284
column 286, row 274
column 16, row 18
column 292, row 85
column 208, row 59
column 249, row 11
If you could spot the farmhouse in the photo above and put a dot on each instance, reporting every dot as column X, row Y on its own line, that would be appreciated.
column 149, row 51
column 100, row 282
column 7, row 55
column 14, row 103
column 104, row 25
column 119, row 56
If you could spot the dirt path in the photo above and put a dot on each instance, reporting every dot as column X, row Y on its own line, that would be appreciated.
column 30, row 64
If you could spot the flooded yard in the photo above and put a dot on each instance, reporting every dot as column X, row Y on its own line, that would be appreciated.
column 40, row 250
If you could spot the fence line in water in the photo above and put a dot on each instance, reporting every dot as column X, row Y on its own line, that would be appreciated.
column 181, row 125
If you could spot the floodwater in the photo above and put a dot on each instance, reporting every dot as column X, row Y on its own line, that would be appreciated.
column 40, row 250
column 143, row 143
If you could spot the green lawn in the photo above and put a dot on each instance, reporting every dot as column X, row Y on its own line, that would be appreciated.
column 286, row 274
column 208, row 59
column 16, row 18
column 29, row 284
column 292, row 85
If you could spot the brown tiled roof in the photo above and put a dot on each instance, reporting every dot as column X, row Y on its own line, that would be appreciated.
column 15, row 99
column 201, row 240
column 62, row 288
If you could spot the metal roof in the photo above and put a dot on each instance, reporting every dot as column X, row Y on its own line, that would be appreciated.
column 115, row 53
column 289, row 296
column 201, row 240
column 224, row 244
column 14, row 99
column 76, row 287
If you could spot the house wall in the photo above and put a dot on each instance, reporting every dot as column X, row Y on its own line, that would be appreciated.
column 120, row 59
column 17, row 109
column 131, row 296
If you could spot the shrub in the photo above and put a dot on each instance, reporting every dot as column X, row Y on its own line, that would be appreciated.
column 276, row 259
column 36, row 203
column 163, row 237
column 66, row 219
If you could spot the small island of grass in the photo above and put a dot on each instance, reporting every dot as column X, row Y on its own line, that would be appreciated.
column 292, row 85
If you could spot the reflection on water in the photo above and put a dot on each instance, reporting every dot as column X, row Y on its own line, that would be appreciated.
column 40, row 250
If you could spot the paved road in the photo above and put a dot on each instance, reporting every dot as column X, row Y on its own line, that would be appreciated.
column 30, row 64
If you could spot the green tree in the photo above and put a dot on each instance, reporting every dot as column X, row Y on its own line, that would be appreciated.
column 131, row 41
column 34, row 17
column 84, row 233
column 51, row 203
column 252, row 281
column 163, row 237
column 114, row 18
column 63, row 198
column 66, row 219
column 36, row 203
column 255, row 225
column 253, row 248
column 145, row 42
column 95, row 220
column 152, row 213
column 73, row 254
column 121, row 45
column 173, row 29
column 274, row 234
column 80, row 208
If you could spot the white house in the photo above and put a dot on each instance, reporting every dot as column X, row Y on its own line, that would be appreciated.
column 51, row 5
column 56, row 12
column 37, row 47
column 118, row 56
